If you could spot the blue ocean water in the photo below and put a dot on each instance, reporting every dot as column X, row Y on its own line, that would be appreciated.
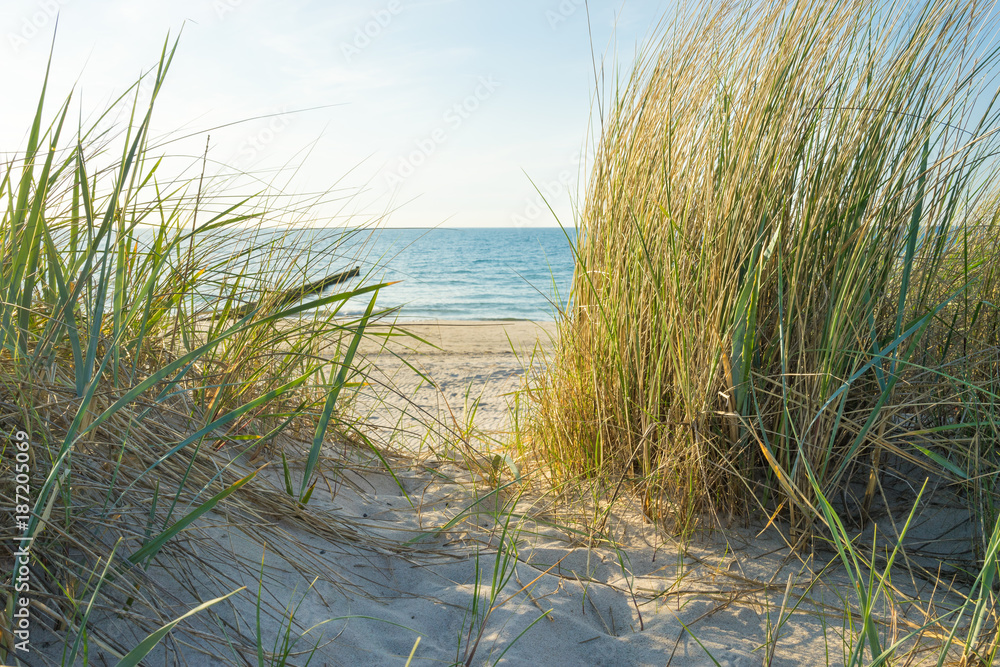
column 439, row 273
column 466, row 274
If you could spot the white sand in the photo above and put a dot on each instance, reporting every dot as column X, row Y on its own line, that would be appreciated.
column 460, row 366
column 622, row 604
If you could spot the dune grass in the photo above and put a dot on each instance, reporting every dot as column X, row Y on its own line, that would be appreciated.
column 782, row 257
column 785, row 287
column 153, row 362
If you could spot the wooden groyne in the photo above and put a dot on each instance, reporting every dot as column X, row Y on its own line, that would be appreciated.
column 294, row 294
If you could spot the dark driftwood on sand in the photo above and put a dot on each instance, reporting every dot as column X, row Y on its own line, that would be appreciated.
column 296, row 293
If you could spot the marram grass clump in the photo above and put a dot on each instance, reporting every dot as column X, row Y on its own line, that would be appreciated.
column 153, row 370
column 785, row 301
column 783, row 269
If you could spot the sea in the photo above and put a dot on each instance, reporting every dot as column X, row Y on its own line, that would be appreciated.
column 438, row 273
column 473, row 274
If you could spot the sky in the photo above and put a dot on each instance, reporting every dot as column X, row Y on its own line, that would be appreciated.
column 437, row 112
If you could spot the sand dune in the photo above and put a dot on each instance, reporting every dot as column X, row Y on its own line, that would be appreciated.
column 375, row 562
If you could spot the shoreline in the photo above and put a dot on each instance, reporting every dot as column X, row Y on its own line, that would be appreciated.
column 458, row 337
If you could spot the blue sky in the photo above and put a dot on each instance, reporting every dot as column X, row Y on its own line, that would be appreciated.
column 445, row 108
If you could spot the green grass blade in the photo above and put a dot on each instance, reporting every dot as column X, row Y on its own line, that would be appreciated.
column 136, row 655
column 331, row 399
column 152, row 547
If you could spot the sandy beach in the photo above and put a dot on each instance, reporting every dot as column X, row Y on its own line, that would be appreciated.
column 433, row 552
column 448, row 372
